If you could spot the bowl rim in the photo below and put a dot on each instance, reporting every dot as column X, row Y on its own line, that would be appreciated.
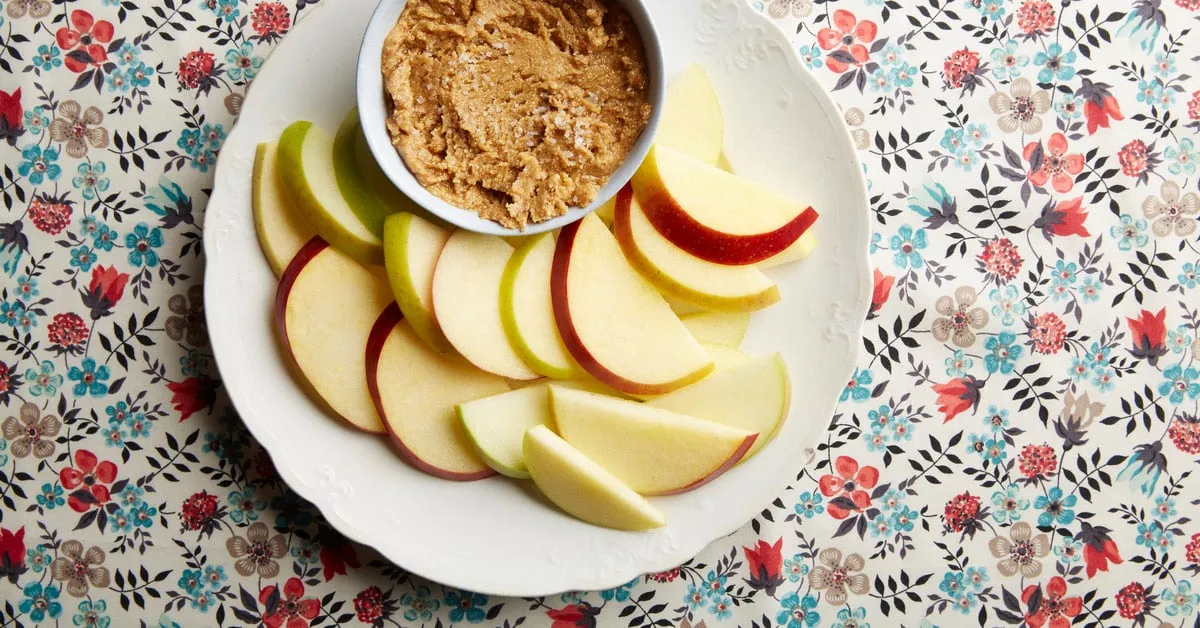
column 372, row 111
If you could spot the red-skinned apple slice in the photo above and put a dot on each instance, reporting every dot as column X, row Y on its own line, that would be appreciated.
column 415, row 390
column 713, row 214
column 325, row 305
column 653, row 451
column 677, row 273
column 613, row 322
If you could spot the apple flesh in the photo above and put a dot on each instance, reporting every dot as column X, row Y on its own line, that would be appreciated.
column 582, row 488
column 691, row 121
column 466, row 301
column 613, row 322
column 366, row 205
column 682, row 275
column 713, row 214
column 281, row 231
column 411, row 247
column 723, row 357
column 325, row 306
column 754, row 396
column 722, row 328
column 306, row 168
column 651, row 450
column 415, row 390
column 527, row 312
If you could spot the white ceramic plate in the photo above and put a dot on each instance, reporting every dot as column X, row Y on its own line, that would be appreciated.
column 496, row 536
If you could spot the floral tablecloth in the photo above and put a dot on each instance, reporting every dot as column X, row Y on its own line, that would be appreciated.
column 1016, row 446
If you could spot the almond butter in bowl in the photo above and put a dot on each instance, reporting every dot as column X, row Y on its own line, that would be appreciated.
column 517, row 110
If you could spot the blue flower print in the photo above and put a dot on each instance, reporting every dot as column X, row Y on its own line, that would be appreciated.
column 1007, row 304
column 141, row 244
column 695, row 597
column 10, row 313
column 856, row 618
column 90, row 180
column 892, row 55
column 721, row 607
column 1179, row 600
column 1002, row 353
column 114, row 436
column 37, row 558
column 1055, row 64
column 1130, row 233
column 1181, row 159
column 36, row 120
column 1090, row 290
column 1190, row 276
column 1103, row 379
column 204, row 601
column 243, row 508
column 1069, row 108
column 953, row 140
column 995, row 451
column 1164, row 64
column 118, row 412
column 1065, row 273
column 190, row 141
column 104, row 237
column 128, row 54
column 958, row 363
column 904, row 519
column 1008, row 505
column 92, row 614
column 466, row 605
column 117, row 83
column 130, row 496
column 976, row 134
column 47, row 58
column 796, row 568
column 809, row 505
column 214, row 576
column 191, row 581
column 214, row 134
column 906, row 247
column 89, row 378
column 953, row 583
column 880, row 81
column 242, row 63
column 620, row 593
column 1180, row 383
column 1149, row 90
column 44, row 382
column 27, row 288
column 976, row 577
column 858, row 388
column 40, row 602
column 991, row 9
column 1056, row 509
column 226, row 10
column 881, row 526
column 876, row 240
column 143, row 515
column 997, row 419
column 903, row 75
column 797, row 612
column 138, row 425
column 811, row 56
column 139, row 76
column 51, row 496
column 902, row 429
column 967, row 160
column 714, row 584
column 421, row 605
column 39, row 165
column 202, row 160
column 1179, row 339
column 82, row 258
column 1149, row 533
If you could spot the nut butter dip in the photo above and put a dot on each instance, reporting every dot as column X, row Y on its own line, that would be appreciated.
column 515, row 109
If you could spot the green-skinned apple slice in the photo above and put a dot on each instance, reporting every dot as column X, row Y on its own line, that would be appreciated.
column 359, row 195
column 411, row 246
column 282, row 232
column 527, row 312
column 306, row 169
column 722, row 328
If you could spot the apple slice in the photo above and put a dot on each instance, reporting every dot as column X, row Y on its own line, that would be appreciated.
column 306, row 168
column 613, row 322
column 754, row 396
column 415, row 390
column 411, row 247
column 691, row 120
column 281, row 231
column 722, row 328
column 682, row 275
column 325, row 306
column 799, row 250
column 527, row 313
column 723, row 357
column 362, row 199
column 651, row 450
column 583, row 488
column 466, row 301
column 713, row 214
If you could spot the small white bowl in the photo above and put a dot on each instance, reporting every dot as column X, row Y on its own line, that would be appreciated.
column 373, row 112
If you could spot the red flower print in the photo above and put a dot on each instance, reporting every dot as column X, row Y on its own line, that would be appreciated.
column 1131, row 600
column 49, row 217
column 104, row 290
column 198, row 511
column 270, row 19
column 1048, row 333
column 67, row 330
column 1185, row 433
column 848, row 486
column 336, row 555
column 959, row 68
column 1098, row 548
column 1001, row 259
column 961, row 510
column 1063, row 219
column 879, row 295
column 12, row 554
column 195, row 69
column 845, row 38
column 1190, row 5
column 1035, row 16
column 91, row 477
column 1193, row 104
column 1133, row 157
column 192, row 395
column 1037, row 461
column 1052, row 163
column 957, row 395
column 1055, row 609
column 84, row 40
column 368, row 605
column 10, row 115
column 1193, row 549
column 291, row 608
column 581, row 615
column 6, row 382
column 765, row 562
column 669, row 575
column 1149, row 334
